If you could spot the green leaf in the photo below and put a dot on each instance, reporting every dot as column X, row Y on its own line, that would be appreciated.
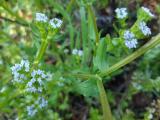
column 83, row 26
column 101, row 57
column 87, row 88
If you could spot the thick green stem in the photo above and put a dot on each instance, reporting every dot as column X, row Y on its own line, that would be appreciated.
column 104, row 102
column 152, row 43
column 41, row 52
column 107, row 115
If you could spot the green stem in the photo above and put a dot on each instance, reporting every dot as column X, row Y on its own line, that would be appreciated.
column 44, row 43
column 152, row 43
column 107, row 115
column 104, row 102
column 41, row 52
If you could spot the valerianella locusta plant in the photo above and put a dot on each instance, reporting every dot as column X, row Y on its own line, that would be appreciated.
column 101, row 58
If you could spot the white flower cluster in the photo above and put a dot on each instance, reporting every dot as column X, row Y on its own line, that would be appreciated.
column 41, row 17
column 77, row 52
column 36, row 83
column 33, row 81
column 130, row 40
column 55, row 22
column 151, row 112
column 40, row 103
column 31, row 110
column 147, row 11
column 19, row 71
column 144, row 28
column 121, row 13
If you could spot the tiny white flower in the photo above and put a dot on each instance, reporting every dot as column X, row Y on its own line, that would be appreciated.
column 39, row 72
column 31, row 89
column 26, row 64
column 49, row 76
column 33, row 80
column 55, row 23
column 144, row 28
column 131, row 43
column 153, row 110
column 40, row 81
column 121, row 13
column 16, row 75
column 16, row 68
column 3, row 89
column 41, row 17
column 33, row 74
column 130, row 40
column 148, row 11
column 128, row 35
column 18, row 80
column 29, row 84
column 42, row 102
column 22, row 62
column 43, row 75
column 27, row 69
column 22, row 76
column 66, row 51
column 80, row 52
column 39, row 89
column 74, row 51
column 31, row 110
column 77, row 52
column 150, row 116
